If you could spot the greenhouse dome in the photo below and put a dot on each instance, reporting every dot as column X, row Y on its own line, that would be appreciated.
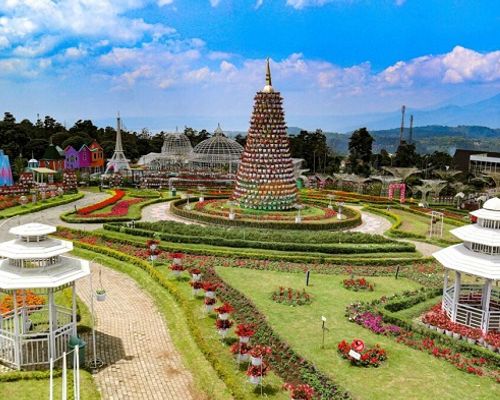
column 217, row 153
column 175, row 153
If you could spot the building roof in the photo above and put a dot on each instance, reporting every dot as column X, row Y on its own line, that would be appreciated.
column 477, row 234
column 32, row 229
column 43, row 170
column 459, row 258
column 18, row 249
column 68, row 270
column 52, row 153
column 461, row 157
column 217, row 149
column 490, row 210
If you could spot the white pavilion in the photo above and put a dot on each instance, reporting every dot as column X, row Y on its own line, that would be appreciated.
column 476, row 305
column 30, row 335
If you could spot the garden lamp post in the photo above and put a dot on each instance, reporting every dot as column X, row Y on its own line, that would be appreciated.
column 231, row 205
column 96, row 362
column 331, row 197
column 340, row 205
column 201, row 189
column 188, row 206
column 152, row 247
column 298, row 217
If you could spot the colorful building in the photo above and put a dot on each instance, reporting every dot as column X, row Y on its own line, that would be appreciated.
column 71, row 158
column 97, row 157
column 52, row 158
column 5, row 171
column 88, row 158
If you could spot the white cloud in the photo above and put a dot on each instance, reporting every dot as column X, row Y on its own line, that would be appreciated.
column 259, row 3
column 162, row 3
column 215, row 3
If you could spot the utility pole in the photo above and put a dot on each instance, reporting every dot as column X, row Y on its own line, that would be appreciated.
column 410, row 140
column 401, row 132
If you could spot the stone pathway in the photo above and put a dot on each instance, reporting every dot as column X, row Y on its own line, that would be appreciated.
column 132, row 339
column 161, row 212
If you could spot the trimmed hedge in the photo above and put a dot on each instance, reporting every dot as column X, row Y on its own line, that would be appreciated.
column 353, row 219
column 28, row 375
column 43, row 206
column 277, row 255
column 330, row 248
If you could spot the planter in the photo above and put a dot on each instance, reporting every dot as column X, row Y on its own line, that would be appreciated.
column 448, row 333
column 256, row 361
column 244, row 339
column 196, row 277
column 440, row 330
column 480, row 340
column 491, row 347
column 176, row 273
column 432, row 327
column 231, row 216
column 243, row 357
column 196, row 292
column 210, row 295
column 456, row 336
column 471, row 341
column 255, row 380
column 223, row 332
column 209, row 307
column 223, row 316
column 100, row 296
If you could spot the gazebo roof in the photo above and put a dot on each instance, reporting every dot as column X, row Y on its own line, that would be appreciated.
column 32, row 229
column 20, row 250
column 461, row 259
column 490, row 210
column 69, row 270
column 477, row 234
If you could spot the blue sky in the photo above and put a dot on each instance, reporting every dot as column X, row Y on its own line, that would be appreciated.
column 164, row 63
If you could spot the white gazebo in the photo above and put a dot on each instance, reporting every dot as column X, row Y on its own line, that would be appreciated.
column 473, row 304
column 30, row 335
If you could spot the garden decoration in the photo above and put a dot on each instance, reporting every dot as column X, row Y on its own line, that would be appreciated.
column 330, row 197
column 153, row 250
column 299, row 392
column 291, row 297
column 437, row 224
column 100, row 292
column 223, row 323
column 402, row 191
column 258, row 368
column 196, row 282
column 298, row 218
column 340, row 205
column 359, row 356
column 242, row 347
column 265, row 178
column 202, row 190
column 324, row 329
column 176, row 266
column 209, row 300
column 357, row 284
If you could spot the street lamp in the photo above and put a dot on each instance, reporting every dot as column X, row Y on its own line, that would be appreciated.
column 331, row 197
column 232, row 214
column 340, row 204
column 201, row 189
column 298, row 218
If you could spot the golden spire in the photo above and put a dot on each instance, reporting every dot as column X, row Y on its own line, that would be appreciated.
column 268, row 73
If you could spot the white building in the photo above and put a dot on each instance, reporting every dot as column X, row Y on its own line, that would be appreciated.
column 476, row 305
column 30, row 335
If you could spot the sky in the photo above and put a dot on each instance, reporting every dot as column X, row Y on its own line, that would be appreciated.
column 167, row 63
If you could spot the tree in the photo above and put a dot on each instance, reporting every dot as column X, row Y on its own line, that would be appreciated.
column 196, row 137
column 406, row 156
column 360, row 151
column 75, row 141
column 241, row 139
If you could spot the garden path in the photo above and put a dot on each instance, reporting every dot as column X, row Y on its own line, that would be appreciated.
column 376, row 224
column 51, row 215
column 133, row 340
column 161, row 212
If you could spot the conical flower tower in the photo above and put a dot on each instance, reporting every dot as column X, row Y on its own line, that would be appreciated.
column 265, row 179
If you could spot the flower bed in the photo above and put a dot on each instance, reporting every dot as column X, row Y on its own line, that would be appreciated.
column 291, row 297
column 357, row 284
column 120, row 209
column 117, row 195
column 371, row 357
column 22, row 296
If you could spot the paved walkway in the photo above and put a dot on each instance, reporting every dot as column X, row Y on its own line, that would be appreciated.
column 134, row 342
column 161, row 212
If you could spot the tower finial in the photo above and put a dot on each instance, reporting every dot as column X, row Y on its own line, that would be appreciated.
column 268, row 73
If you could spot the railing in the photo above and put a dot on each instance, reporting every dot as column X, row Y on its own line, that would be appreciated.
column 470, row 316
column 34, row 349
column 7, row 346
column 61, row 339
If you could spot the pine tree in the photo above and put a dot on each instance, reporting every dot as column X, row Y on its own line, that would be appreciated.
column 265, row 178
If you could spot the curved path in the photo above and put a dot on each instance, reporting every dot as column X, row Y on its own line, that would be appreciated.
column 132, row 339
column 161, row 212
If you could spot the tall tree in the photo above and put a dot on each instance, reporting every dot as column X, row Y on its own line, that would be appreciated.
column 360, row 152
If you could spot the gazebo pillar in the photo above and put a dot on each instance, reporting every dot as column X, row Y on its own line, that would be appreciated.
column 17, row 344
column 445, row 285
column 456, row 295
column 485, row 300
column 73, row 307
column 52, row 324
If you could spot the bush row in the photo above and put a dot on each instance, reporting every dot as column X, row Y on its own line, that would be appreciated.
column 20, row 210
column 281, row 365
column 288, row 236
column 28, row 375
column 309, row 257
column 330, row 248
column 353, row 219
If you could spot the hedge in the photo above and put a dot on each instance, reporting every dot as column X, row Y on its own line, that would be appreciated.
column 43, row 206
column 383, row 259
column 272, row 235
column 68, row 217
column 28, row 375
column 320, row 381
column 354, row 219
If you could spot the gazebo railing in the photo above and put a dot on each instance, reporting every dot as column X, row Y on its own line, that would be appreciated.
column 7, row 349
column 34, row 349
column 470, row 316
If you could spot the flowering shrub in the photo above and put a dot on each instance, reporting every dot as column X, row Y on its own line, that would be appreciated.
column 226, row 308
column 493, row 339
column 195, row 271
column 240, row 348
column 177, row 267
column 291, row 297
column 32, row 299
column 258, row 370
column 371, row 357
column 196, row 285
column 223, row 324
column 210, row 286
column 6, row 202
column 245, row 330
column 302, row 392
column 118, row 195
column 260, row 351
column 120, row 209
column 209, row 301
column 357, row 284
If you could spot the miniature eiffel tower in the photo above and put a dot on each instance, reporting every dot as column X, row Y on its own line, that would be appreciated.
column 118, row 163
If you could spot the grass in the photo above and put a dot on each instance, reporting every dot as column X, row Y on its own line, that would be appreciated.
column 407, row 374
column 40, row 205
column 420, row 225
column 205, row 377
column 39, row 389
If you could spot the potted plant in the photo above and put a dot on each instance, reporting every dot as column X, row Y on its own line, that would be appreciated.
column 100, row 294
column 299, row 392
column 244, row 332
column 223, row 326
column 209, row 303
column 224, row 311
column 195, row 274
column 210, row 288
column 257, row 354
column 176, row 269
column 255, row 373
column 197, row 286
column 241, row 350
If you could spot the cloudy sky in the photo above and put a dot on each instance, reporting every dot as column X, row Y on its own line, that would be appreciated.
column 196, row 62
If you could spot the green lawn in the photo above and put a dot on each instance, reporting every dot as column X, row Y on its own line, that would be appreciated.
column 420, row 224
column 407, row 374
column 33, row 389
column 40, row 205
